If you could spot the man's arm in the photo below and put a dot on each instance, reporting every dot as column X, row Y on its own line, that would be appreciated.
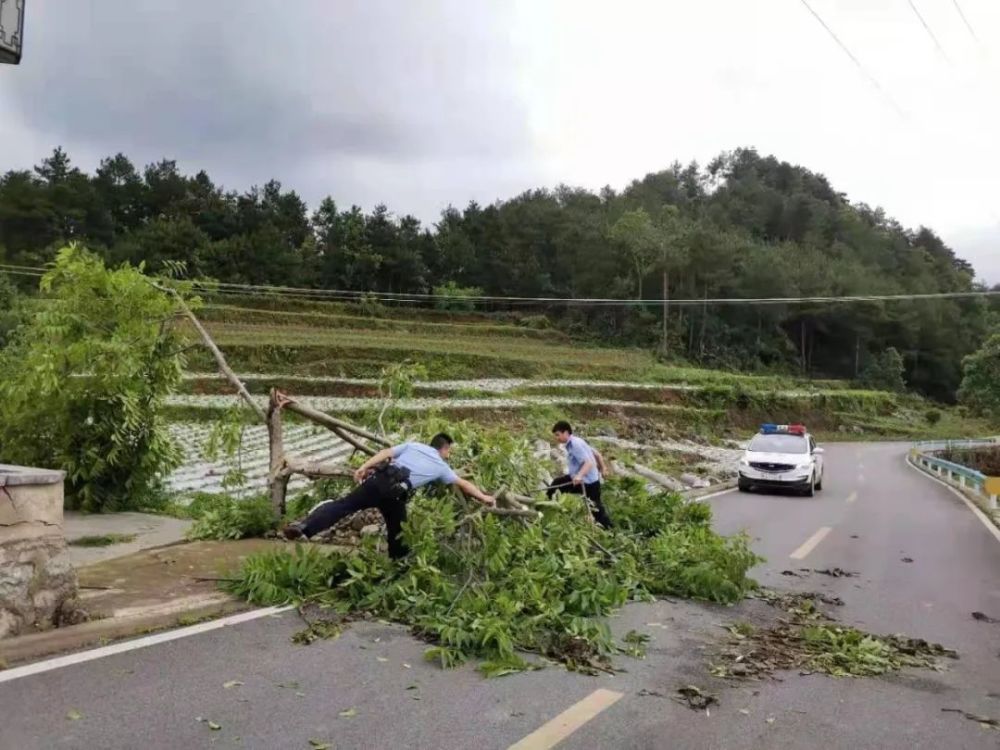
column 471, row 490
column 584, row 470
column 381, row 457
column 602, row 465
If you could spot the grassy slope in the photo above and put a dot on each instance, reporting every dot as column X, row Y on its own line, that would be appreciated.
column 308, row 338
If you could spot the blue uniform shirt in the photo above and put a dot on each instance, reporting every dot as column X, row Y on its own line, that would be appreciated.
column 579, row 453
column 425, row 464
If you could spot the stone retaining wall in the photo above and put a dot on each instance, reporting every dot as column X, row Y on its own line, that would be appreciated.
column 37, row 589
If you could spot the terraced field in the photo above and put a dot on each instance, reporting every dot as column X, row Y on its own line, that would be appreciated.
column 493, row 369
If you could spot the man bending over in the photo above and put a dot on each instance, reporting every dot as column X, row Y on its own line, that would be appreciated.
column 386, row 481
column 586, row 467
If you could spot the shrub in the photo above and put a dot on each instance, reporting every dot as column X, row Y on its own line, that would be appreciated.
column 225, row 517
column 885, row 371
column 84, row 383
column 933, row 416
column 451, row 296
column 980, row 389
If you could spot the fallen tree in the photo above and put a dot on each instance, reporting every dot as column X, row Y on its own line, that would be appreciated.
column 485, row 584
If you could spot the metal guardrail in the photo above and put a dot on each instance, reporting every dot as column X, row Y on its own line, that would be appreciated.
column 922, row 456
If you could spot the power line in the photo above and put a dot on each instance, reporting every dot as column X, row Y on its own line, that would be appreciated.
column 345, row 295
column 871, row 79
column 965, row 20
column 930, row 33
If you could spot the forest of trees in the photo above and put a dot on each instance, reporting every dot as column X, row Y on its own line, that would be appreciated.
column 745, row 226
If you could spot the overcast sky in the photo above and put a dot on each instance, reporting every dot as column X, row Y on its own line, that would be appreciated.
column 421, row 104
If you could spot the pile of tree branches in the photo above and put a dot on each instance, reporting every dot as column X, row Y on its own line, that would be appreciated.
column 515, row 590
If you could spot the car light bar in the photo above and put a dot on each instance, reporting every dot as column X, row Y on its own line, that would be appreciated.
column 789, row 429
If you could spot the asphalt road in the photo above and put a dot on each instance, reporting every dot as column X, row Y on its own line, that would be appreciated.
column 371, row 689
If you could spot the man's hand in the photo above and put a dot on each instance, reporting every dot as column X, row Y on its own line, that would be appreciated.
column 361, row 474
column 577, row 481
column 489, row 501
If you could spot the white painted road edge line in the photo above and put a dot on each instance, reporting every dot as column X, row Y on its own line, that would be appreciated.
column 972, row 506
column 810, row 544
column 555, row 730
column 59, row 662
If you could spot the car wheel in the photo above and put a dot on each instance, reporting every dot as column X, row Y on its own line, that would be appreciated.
column 819, row 484
column 810, row 491
column 742, row 486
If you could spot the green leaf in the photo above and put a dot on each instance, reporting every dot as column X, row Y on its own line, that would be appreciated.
column 74, row 715
column 348, row 713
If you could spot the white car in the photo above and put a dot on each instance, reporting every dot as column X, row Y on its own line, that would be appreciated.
column 782, row 456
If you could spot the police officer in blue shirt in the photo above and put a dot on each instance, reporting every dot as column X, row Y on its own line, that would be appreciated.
column 586, row 467
column 386, row 481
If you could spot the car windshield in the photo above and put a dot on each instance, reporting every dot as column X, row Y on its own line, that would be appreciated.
column 779, row 444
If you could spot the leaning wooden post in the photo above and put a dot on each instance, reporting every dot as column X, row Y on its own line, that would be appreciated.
column 278, row 475
column 219, row 358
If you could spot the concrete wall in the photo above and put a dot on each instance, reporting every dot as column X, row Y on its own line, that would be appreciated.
column 37, row 589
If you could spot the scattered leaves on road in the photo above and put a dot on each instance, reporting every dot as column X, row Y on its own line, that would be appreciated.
column 984, row 618
column 835, row 572
column 74, row 715
column 906, row 559
column 348, row 713
column 381, row 659
column 319, row 745
column 231, row 684
column 214, row 726
column 694, row 698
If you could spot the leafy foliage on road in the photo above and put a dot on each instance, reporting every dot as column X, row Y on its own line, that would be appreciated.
column 481, row 586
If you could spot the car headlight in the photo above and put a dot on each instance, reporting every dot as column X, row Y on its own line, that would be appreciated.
column 744, row 462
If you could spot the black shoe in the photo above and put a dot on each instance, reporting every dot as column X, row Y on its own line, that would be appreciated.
column 295, row 531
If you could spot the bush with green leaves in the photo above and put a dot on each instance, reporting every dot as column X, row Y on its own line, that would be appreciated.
column 980, row 389
column 451, row 296
column 225, row 517
column 85, row 379
column 498, row 589
column 933, row 416
column 885, row 371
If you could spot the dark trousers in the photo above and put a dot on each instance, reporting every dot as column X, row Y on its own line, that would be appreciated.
column 374, row 492
column 591, row 491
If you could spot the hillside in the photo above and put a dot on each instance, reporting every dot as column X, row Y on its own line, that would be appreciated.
column 745, row 226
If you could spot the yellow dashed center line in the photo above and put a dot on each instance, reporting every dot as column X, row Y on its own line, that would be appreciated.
column 810, row 544
column 562, row 726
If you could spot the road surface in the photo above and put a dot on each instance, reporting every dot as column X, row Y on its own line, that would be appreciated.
column 371, row 689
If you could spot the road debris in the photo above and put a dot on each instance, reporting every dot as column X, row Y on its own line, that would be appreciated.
column 984, row 618
column 986, row 722
column 836, row 572
column 694, row 698
column 906, row 559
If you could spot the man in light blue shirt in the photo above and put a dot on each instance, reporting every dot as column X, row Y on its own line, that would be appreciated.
column 586, row 467
column 386, row 481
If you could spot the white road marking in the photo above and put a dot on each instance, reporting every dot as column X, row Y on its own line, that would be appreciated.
column 562, row 726
column 150, row 640
column 852, row 497
column 972, row 506
column 810, row 544
column 713, row 494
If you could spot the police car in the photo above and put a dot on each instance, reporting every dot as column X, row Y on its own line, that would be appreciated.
column 782, row 456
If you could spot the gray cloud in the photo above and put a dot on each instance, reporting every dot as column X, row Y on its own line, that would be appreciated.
column 314, row 93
